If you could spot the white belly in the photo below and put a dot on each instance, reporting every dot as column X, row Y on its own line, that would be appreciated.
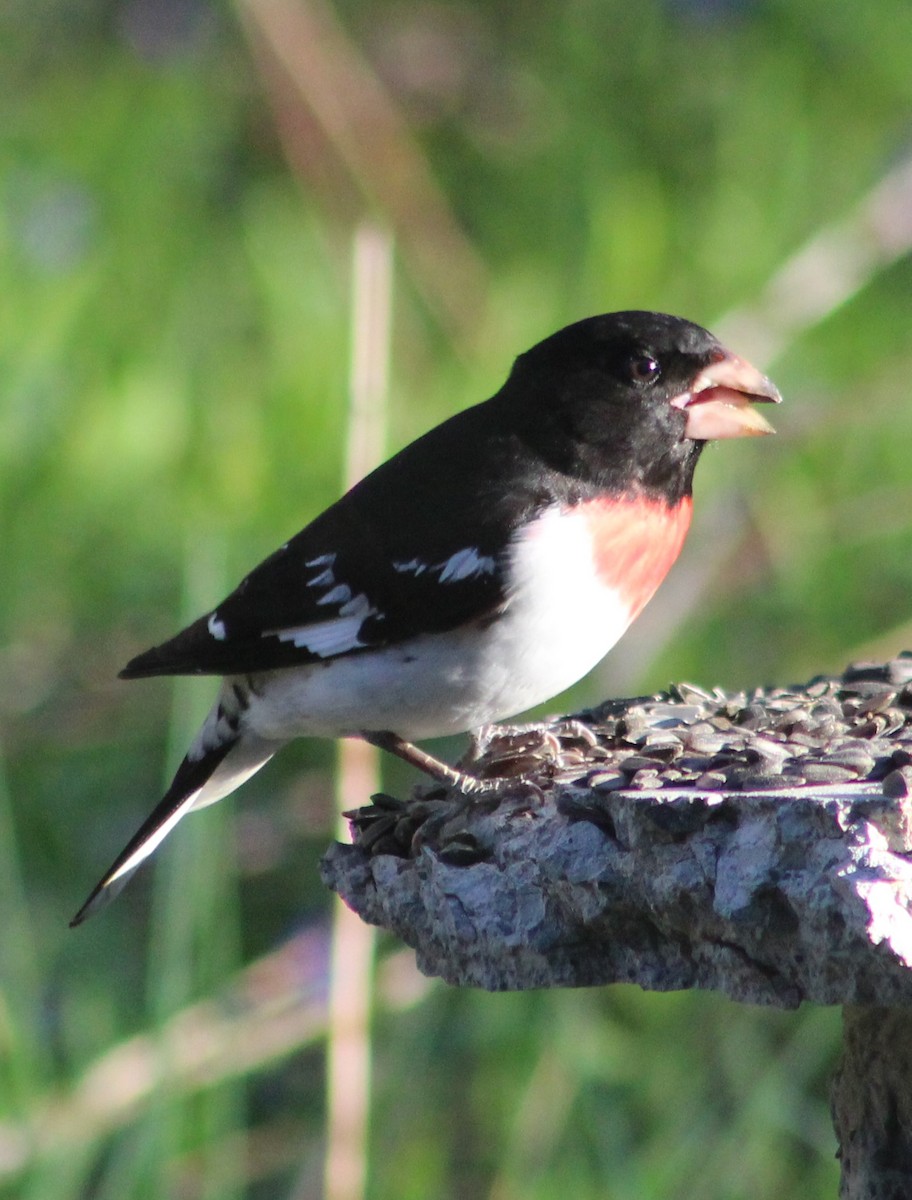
column 560, row 621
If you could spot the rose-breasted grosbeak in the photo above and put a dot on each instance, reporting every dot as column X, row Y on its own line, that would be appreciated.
column 483, row 569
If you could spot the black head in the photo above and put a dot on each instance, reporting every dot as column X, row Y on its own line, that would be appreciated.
column 613, row 399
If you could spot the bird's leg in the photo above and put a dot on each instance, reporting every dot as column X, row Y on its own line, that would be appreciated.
column 441, row 771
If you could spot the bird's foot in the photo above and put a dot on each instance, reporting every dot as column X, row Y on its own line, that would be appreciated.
column 505, row 754
column 463, row 781
column 502, row 755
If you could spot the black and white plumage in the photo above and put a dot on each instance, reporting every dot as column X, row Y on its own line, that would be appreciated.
column 483, row 569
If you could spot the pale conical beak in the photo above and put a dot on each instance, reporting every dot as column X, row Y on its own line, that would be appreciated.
column 719, row 402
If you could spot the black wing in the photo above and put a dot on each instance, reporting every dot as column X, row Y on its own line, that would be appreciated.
column 419, row 546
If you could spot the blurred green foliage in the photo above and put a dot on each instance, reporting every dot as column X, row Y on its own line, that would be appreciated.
column 174, row 342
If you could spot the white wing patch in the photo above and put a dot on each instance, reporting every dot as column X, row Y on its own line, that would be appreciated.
column 464, row 564
column 413, row 567
column 339, row 635
column 216, row 628
column 324, row 579
column 340, row 594
column 336, row 636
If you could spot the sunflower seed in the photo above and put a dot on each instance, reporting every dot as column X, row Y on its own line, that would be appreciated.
column 898, row 784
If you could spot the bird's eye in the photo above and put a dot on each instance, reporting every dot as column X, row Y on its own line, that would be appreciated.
column 643, row 368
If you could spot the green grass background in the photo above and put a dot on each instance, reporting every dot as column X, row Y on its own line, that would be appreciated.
column 174, row 345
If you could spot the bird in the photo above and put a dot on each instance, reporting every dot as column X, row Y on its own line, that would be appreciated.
column 483, row 569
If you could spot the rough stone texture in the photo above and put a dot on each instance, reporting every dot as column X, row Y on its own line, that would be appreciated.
column 772, row 898
column 598, row 866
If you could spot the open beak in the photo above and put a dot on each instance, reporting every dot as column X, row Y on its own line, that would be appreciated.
column 719, row 402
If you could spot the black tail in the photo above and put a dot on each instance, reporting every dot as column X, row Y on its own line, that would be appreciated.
column 191, row 777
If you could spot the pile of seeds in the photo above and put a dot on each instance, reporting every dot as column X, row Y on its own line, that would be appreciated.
column 851, row 728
